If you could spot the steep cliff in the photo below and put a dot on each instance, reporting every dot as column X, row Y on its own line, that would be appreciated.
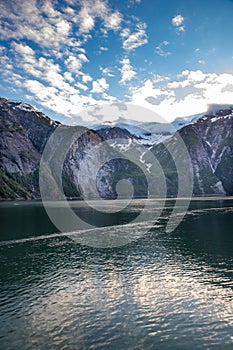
column 24, row 132
column 209, row 142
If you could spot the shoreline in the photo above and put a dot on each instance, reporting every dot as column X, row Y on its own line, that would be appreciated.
column 193, row 198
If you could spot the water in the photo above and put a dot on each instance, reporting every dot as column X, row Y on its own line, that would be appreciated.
column 162, row 291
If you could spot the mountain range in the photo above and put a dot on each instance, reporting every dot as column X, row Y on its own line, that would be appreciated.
column 198, row 147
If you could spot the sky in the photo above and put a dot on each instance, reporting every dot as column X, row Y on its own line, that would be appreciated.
column 170, row 57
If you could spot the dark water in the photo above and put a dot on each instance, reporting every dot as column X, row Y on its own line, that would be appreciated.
column 162, row 291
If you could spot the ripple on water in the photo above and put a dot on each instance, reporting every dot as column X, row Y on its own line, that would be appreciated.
column 161, row 291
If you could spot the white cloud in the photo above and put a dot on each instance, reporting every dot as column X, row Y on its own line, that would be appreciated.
column 127, row 72
column 177, row 20
column 109, row 98
column 93, row 9
column 83, row 57
column 99, row 85
column 63, row 27
column 202, row 62
column 133, row 40
column 47, row 71
column 189, row 95
column 181, row 29
column 49, row 10
column 196, row 76
column 125, row 33
column 23, row 49
column 82, row 86
column 49, row 27
column 68, row 77
column 107, row 71
column 28, row 20
column 160, row 49
column 57, row 80
column 42, row 92
column 6, row 65
column 184, row 73
column 86, row 21
column 75, row 63
column 25, row 56
column 178, row 23
column 58, row 101
column 113, row 21
column 103, row 48
column 86, row 78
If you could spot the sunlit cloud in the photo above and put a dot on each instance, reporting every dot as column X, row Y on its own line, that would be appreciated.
column 91, row 10
column 190, row 94
column 86, row 78
column 178, row 23
column 133, row 40
column 70, row 55
column 127, row 72
column 99, row 86
column 177, row 20
column 161, row 49
column 74, row 63
column 107, row 71
column 113, row 21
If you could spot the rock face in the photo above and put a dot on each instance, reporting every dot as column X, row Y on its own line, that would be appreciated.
column 97, row 160
column 24, row 132
column 209, row 142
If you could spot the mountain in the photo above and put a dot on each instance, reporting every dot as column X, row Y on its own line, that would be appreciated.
column 149, row 133
column 209, row 142
column 24, row 132
column 98, row 159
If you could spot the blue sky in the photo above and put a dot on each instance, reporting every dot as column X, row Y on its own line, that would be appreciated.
column 171, row 57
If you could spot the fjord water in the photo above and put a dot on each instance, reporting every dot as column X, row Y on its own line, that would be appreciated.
column 162, row 291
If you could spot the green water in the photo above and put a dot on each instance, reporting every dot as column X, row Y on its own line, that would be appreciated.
column 162, row 291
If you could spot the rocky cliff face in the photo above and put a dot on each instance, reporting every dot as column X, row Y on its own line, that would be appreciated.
column 209, row 142
column 24, row 132
column 96, row 161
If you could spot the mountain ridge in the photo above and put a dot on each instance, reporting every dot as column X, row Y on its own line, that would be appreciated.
column 25, row 131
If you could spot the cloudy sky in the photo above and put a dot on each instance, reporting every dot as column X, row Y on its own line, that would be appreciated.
column 172, row 57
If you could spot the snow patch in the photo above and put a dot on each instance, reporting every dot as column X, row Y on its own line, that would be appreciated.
column 147, row 165
column 123, row 147
column 25, row 107
column 219, row 187
column 214, row 119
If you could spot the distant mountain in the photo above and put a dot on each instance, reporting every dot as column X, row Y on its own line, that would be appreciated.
column 149, row 133
column 208, row 138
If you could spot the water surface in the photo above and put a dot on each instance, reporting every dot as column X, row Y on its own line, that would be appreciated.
column 165, row 291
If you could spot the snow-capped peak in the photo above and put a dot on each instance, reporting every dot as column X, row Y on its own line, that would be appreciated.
column 25, row 107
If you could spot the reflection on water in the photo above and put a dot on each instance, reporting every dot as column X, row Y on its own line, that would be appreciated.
column 161, row 291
